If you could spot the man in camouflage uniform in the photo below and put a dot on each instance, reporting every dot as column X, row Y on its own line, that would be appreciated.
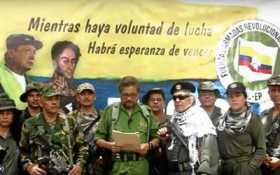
column 207, row 95
column 271, row 120
column 128, row 116
column 88, row 117
column 51, row 143
column 31, row 96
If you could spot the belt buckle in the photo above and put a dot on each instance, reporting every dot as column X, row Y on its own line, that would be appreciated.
column 131, row 156
column 117, row 156
column 185, row 166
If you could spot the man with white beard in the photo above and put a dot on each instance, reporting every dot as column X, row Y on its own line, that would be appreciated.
column 190, row 135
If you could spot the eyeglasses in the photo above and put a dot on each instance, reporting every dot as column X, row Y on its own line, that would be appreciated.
column 180, row 97
column 130, row 95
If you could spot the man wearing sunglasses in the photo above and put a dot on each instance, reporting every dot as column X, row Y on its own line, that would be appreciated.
column 190, row 135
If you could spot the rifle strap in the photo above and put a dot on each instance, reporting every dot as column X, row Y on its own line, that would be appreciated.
column 146, row 114
column 66, row 122
column 93, row 123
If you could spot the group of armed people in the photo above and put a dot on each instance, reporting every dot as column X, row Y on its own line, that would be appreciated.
column 197, row 139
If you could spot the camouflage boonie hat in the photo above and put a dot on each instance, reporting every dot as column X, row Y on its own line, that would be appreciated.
column 49, row 91
column 146, row 97
column 86, row 86
column 30, row 87
column 5, row 102
column 208, row 86
column 274, row 81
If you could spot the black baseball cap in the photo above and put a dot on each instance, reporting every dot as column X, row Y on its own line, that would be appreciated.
column 236, row 87
column 182, row 86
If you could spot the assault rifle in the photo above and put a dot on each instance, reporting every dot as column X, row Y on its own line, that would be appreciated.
column 3, row 153
column 52, row 161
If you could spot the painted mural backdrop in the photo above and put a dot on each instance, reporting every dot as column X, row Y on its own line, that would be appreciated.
column 158, row 41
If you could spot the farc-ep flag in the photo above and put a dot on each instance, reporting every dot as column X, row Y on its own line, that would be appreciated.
column 254, row 60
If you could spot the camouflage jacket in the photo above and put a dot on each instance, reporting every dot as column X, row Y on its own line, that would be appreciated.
column 88, row 123
column 61, row 142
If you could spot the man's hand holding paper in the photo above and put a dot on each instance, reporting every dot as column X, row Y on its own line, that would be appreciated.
column 143, row 149
column 127, row 141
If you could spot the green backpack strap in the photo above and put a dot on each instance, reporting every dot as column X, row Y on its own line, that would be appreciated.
column 115, row 111
column 147, row 116
column 144, row 110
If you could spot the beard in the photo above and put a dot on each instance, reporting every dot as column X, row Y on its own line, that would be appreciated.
column 64, row 74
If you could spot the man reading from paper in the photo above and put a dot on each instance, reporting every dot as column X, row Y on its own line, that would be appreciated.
column 127, row 141
column 128, row 116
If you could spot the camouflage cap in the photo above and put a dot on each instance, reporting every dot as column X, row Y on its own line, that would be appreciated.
column 30, row 87
column 86, row 86
column 274, row 81
column 49, row 91
column 208, row 86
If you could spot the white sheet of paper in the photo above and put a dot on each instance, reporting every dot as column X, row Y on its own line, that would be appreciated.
column 128, row 141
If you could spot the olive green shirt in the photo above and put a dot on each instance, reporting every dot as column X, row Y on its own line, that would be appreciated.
column 136, row 122
column 250, row 144
column 216, row 115
column 10, row 161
